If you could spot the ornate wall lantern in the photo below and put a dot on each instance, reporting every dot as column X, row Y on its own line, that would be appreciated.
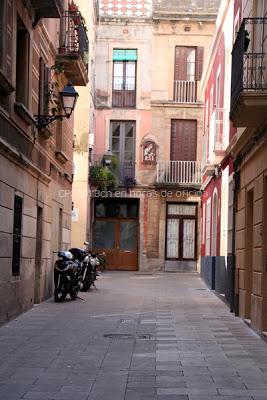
column 68, row 98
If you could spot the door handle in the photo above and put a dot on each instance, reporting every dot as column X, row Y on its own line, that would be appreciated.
column 127, row 251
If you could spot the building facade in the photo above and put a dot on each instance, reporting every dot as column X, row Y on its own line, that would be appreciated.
column 149, row 116
column 217, row 167
column 42, row 47
column 84, row 133
column 249, row 147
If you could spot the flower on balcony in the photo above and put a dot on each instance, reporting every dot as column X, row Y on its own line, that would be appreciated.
column 73, row 6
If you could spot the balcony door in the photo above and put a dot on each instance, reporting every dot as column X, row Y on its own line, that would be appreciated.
column 183, row 140
column 122, row 145
column 124, row 78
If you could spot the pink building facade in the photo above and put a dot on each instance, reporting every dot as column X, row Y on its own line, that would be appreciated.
column 217, row 168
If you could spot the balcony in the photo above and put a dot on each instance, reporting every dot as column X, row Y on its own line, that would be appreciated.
column 73, row 52
column 183, row 173
column 121, row 174
column 48, row 8
column 123, row 96
column 249, row 74
column 214, row 142
column 185, row 92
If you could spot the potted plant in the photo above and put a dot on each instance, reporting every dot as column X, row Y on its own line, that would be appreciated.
column 74, row 13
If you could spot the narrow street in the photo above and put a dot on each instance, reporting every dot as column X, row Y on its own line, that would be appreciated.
column 138, row 337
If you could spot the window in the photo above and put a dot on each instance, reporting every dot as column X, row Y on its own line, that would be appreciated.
column 122, row 144
column 22, row 64
column 2, row 32
column 6, row 46
column 17, row 235
column 187, row 70
column 208, row 225
column 44, row 75
column 124, row 78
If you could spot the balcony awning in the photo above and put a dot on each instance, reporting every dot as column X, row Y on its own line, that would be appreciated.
column 124, row 55
column 48, row 8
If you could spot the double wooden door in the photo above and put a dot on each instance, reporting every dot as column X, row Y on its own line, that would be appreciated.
column 118, row 238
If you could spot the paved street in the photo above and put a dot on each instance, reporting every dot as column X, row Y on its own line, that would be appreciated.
column 173, row 339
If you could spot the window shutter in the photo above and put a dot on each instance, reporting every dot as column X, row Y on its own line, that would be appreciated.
column 41, row 85
column 199, row 62
column 46, row 88
column 9, row 38
column 180, row 66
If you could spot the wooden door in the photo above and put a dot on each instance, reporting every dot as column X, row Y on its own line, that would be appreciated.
column 183, row 140
column 118, row 239
column 115, row 232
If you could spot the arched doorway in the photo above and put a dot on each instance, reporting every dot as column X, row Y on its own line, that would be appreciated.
column 214, row 224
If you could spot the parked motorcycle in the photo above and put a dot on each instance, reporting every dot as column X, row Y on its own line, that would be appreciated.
column 89, row 263
column 67, row 276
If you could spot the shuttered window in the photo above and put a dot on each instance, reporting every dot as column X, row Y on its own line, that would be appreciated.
column 44, row 78
column 17, row 235
column 188, row 63
column 22, row 63
column 6, row 45
column 183, row 140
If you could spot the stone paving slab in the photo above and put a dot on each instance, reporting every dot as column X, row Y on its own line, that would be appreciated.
column 195, row 349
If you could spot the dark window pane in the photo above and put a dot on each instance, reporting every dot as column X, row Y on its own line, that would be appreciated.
column 100, row 210
column 115, row 129
column 132, row 210
column 104, row 235
column 115, row 144
column 128, row 235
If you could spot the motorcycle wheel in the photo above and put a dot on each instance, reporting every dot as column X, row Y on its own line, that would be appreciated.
column 86, row 285
column 74, row 293
column 59, row 295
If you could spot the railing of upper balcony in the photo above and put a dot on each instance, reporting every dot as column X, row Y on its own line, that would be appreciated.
column 75, row 41
column 179, row 172
column 249, row 60
column 185, row 91
column 124, row 96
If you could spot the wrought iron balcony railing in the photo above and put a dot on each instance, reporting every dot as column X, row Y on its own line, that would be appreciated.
column 75, row 41
column 249, row 58
column 185, row 92
column 179, row 172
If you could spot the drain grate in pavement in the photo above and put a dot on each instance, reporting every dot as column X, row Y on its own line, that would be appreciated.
column 127, row 336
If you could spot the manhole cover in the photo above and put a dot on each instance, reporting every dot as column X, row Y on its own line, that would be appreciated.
column 127, row 336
